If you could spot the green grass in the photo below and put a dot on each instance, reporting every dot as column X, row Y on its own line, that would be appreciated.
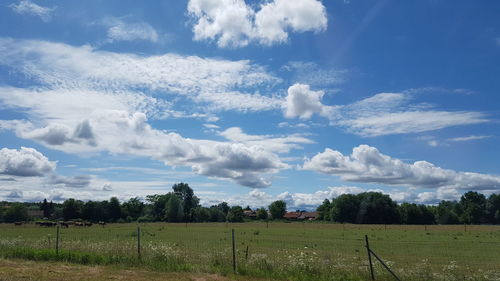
column 288, row 251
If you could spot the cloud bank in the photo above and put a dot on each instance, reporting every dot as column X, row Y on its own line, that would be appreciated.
column 366, row 164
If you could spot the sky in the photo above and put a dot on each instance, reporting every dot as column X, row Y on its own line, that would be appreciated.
column 249, row 101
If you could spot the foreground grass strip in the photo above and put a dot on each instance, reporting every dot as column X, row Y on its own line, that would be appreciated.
column 17, row 270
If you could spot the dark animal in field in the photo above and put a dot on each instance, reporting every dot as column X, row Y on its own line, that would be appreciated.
column 64, row 224
column 101, row 223
column 78, row 223
column 46, row 223
column 87, row 223
column 18, row 223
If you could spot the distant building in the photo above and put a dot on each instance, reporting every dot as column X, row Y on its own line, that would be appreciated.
column 250, row 214
column 292, row 215
column 310, row 216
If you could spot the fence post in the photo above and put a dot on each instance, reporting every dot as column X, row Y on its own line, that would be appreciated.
column 369, row 257
column 57, row 240
column 138, row 242
column 246, row 254
column 234, row 254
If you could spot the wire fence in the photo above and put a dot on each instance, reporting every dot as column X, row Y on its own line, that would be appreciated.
column 412, row 252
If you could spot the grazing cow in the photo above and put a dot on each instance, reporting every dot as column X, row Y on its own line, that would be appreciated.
column 64, row 224
column 79, row 223
column 87, row 223
column 101, row 223
column 18, row 223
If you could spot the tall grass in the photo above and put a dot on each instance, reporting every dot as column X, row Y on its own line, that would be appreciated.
column 283, row 251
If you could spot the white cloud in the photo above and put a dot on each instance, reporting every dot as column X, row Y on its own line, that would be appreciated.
column 280, row 144
column 123, row 31
column 469, row 138
column 367, row 164
column 219, row 84
column 26, row 7
column 303, row 102
column 381, row 114
column 232, row 23
column 26, row 162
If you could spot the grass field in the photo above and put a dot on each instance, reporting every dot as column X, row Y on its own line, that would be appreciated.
column 287, row 251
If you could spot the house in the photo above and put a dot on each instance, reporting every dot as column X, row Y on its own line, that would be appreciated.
column 250, row 214
column 292, row 215
column 310, row 216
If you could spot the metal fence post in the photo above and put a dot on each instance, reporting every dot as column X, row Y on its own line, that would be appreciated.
column 234, row 253
column 369, row 257
column 138, row 242
column 57, row 240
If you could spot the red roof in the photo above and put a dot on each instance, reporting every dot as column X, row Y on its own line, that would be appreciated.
column 292, row 215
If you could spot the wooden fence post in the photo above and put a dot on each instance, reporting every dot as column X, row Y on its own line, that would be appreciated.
column 369, row 257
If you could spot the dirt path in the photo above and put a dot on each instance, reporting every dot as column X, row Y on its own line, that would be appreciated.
column 21, row 270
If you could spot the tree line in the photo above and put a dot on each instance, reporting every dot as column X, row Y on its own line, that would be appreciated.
column 181, row 205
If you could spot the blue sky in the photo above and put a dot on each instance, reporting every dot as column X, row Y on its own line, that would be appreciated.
column 249, row 101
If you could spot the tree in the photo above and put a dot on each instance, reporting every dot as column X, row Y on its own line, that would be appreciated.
column 72, row 209
column 376, row 208
column 445, row 212
column 47, row 208
column 473, row 207
column 90, row 211
column 415, row 214
column 158, row 204
column 324, row 210
column 201, row 214
column 114, row 209
column 16, row 212
column 493, row 208
column 189, row 200
column 173, row 209
column 216, row 215
column 133, row 208
column 224, row 207
column 262, row 214
column 345, row 208
column 235, row 214
column 277, row 209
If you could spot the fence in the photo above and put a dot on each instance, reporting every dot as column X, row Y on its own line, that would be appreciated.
column 274, row 250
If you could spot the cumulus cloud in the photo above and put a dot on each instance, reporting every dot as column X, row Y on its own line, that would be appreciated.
column 233, row 23
column 26, row 7
column 367, row 164
column 25, row 162
column 303, row 102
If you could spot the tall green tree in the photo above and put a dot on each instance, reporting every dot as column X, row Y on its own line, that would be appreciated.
column 377, row 208
column 114, row 209
column 277, row 209
column 262, row 214
column 173, row 210
column 493, row 208
column 189, row 200
column 72, row 209
column 345, row 208
column 133, row 208
column 473, row 207
column 324, row 210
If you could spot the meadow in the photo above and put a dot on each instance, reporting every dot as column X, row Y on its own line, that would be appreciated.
column 285, row 251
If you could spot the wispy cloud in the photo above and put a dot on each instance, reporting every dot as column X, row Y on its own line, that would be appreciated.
column 469, row 138
column 26, row 7
column 121, row 30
